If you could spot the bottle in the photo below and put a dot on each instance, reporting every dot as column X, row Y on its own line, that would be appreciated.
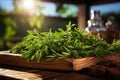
column 95, row 25
column 112, row 32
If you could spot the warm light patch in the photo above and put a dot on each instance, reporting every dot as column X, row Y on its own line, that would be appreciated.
column 29, row 4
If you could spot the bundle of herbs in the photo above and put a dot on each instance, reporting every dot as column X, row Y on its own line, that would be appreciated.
column 63, row 44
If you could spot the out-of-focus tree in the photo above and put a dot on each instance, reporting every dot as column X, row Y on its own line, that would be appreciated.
column 32, row 9
column 64, row 10
column 9, row 30
column 26, row 13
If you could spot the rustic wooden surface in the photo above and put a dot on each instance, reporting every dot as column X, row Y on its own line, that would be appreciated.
column 51, row 75
column 19, row 74
column 107, row 69
column 62, row 65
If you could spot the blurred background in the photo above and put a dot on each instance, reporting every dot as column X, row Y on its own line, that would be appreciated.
column 17, row 16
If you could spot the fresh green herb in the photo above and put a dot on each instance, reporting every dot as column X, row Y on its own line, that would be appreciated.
column 63, row 44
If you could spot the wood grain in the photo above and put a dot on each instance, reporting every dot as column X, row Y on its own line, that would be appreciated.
column 74, row 76
column 68, row 64
column 19, row 74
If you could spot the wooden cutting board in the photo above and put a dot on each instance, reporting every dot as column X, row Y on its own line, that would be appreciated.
column 68, row 64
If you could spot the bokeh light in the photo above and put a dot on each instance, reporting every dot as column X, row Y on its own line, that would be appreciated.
column 29, row 5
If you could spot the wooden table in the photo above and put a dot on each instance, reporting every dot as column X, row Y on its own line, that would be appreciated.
column 107, row 69
column 35, row 74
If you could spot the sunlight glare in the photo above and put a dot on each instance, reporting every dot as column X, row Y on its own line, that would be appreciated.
column 29, row 4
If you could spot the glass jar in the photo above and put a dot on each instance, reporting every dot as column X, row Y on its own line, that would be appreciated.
column 95, row 25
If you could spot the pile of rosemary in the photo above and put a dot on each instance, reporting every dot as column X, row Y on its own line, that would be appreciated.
column 63, row 44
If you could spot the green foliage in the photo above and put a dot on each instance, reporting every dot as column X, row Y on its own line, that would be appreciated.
column 16, row 26
column 115, row 46
column 65, row 10
column 1, row 44
column 10, row 30
column 36, row 21
column 62, row 44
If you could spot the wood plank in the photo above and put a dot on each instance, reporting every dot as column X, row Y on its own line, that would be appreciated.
column 17, row 60
column 73, row 76
column 81, row 1
column 112, row 57
column 97, row 71
column 82, row 16
column 65, row 1
column 44, row 73
column 19, row 74
column 97, row 2
column 68, row 64
column 79, row 64
column 101, row 71
column 110, row 63
column 113, row 73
